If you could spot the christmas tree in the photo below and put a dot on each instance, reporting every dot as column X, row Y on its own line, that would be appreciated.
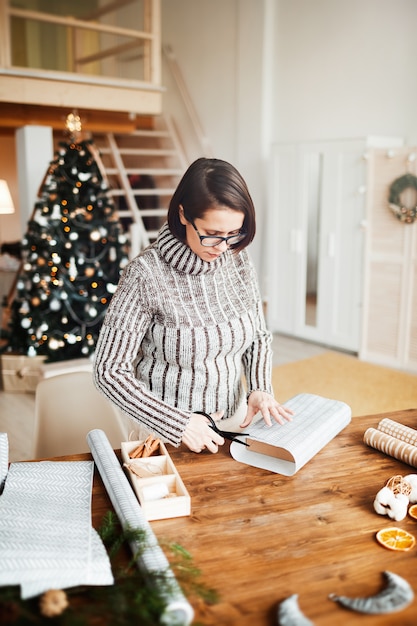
column 73, row 253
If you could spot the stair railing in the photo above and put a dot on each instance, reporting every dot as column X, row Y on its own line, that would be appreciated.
column 187, row 100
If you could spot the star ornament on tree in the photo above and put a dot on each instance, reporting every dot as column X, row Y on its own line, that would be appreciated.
column 73, row 125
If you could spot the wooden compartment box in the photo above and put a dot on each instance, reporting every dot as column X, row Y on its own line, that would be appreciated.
column 157, row 484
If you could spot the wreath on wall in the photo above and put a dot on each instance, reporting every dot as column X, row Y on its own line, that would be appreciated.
column 404, row 214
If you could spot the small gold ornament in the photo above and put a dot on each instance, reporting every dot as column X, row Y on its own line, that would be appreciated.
column 53, row 603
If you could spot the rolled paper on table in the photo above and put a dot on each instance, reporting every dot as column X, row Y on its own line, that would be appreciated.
column 4, row 459
column 391, row 445
column 395, row 429
column 152, row 559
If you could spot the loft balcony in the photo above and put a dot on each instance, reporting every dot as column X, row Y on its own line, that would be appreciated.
column 91, row 55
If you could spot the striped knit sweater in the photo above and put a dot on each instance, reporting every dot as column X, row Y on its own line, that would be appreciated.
column 179, row 335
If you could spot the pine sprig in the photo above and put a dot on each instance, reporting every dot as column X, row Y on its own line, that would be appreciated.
column 135, row 598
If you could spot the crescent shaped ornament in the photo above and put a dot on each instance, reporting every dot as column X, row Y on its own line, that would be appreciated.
column 396, row 595
column 289, row 613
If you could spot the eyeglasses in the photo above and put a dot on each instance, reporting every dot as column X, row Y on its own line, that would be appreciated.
column 209, row 241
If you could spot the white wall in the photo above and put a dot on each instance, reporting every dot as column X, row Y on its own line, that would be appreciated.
column 35, row 151
column 345, row 69
column 219, row 46
column 203, row 37
column 340, row 68
column 9, row 224
column 265, row 71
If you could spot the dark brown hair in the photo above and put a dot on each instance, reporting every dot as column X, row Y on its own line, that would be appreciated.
column 207, row 184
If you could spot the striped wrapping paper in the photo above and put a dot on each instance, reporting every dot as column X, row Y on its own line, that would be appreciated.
column 395, row 440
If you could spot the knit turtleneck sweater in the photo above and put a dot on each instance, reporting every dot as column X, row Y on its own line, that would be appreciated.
column 179, row 335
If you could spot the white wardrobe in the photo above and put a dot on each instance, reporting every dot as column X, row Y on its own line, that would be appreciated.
column 340, row 268
column 315, row 241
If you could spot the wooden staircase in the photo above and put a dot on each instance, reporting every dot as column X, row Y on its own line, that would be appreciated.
column 143, row 169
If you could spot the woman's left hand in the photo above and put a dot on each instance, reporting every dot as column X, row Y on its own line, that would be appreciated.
column 260, row 401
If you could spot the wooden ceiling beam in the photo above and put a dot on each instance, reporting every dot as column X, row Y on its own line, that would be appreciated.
column 14, row 116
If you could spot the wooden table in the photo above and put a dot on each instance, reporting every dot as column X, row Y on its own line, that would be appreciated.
column 259, row 537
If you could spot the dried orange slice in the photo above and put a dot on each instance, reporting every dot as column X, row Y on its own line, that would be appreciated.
column 395, row 538
column 412, row 511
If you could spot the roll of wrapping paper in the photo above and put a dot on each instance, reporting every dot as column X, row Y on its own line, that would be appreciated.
column 151, row 560
column 392, row 446
column 4, row 459
column 395, row 429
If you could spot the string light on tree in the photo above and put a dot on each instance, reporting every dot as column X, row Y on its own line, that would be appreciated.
column 74, row 251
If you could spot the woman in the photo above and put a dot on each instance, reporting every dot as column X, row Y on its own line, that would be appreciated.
column 186, row 323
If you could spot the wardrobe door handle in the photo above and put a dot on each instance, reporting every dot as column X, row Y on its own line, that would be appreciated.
column 296, row 240
column 331, row 245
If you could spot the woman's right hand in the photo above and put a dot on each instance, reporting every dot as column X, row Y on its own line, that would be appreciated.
column 199, row 435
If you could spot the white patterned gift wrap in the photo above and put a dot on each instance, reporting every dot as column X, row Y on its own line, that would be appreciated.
column 316, row 421
column 151, row 559
column 46, row 537
column 401, row 432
